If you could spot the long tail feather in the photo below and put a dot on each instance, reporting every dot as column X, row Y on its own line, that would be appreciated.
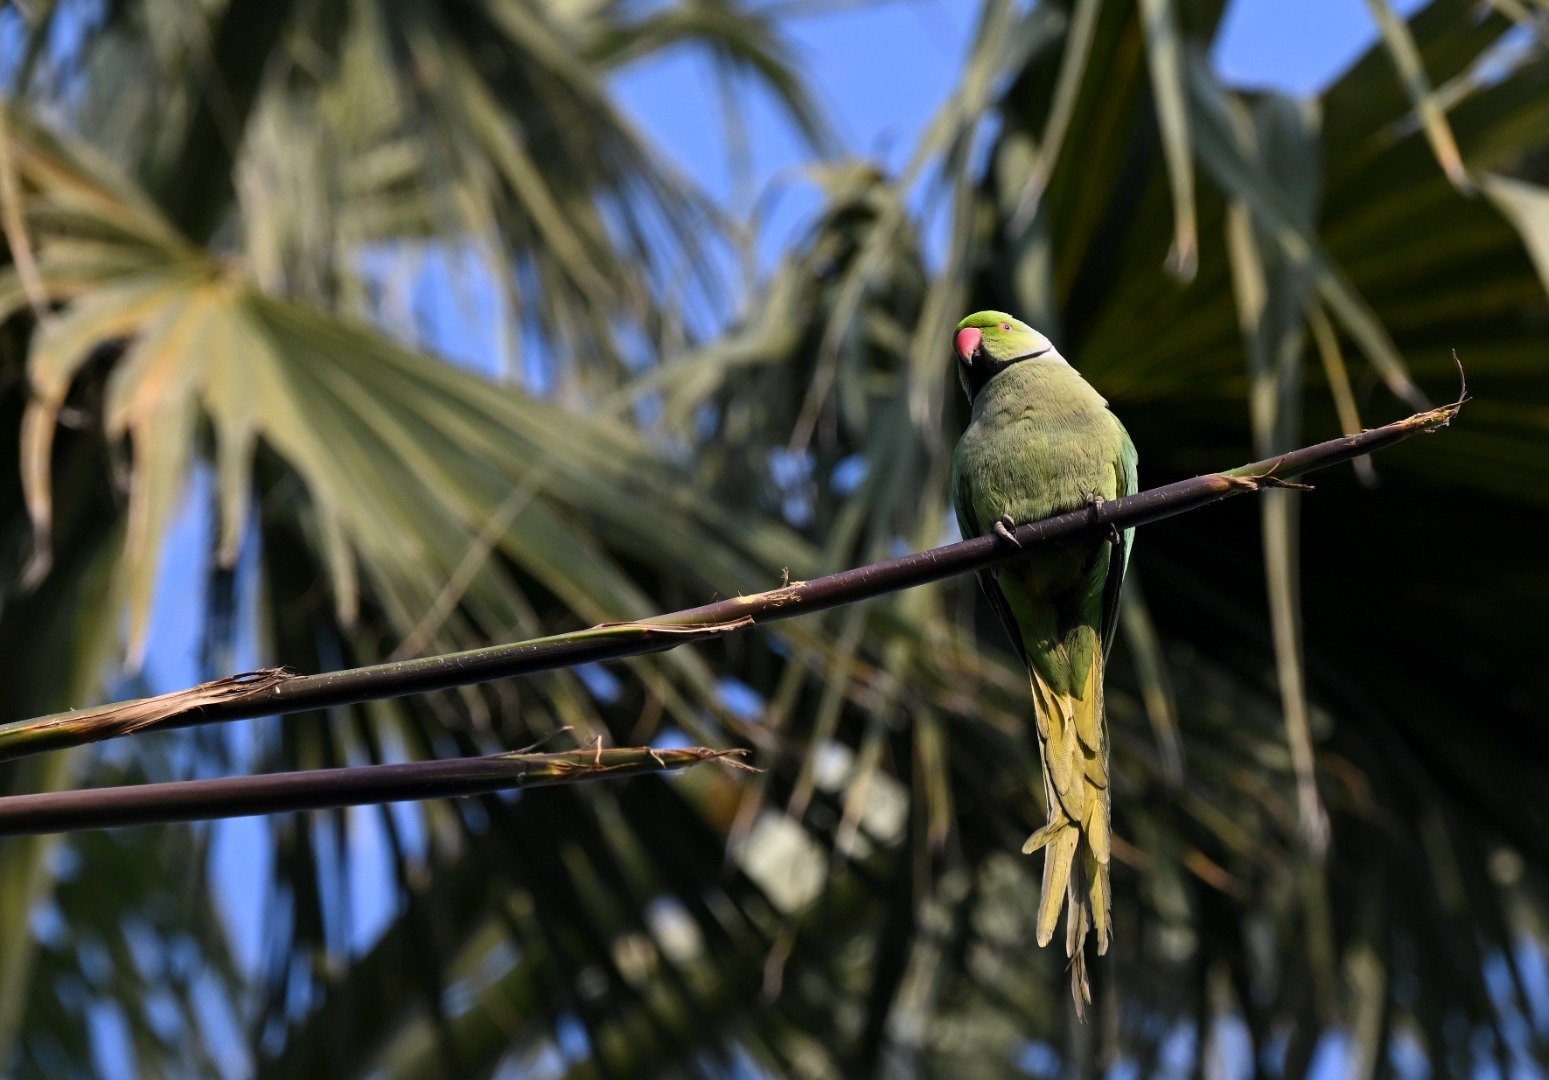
column 1077, row 837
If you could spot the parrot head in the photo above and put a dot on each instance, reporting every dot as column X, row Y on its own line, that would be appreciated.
column 988, row 342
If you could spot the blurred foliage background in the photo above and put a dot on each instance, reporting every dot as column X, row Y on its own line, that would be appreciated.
column 1332, row 835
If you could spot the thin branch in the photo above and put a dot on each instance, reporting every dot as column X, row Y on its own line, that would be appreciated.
column 323, row 789
column 276, row 691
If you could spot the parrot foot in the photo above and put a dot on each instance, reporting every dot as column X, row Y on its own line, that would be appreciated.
column 1094, row 503
column 1003, row 529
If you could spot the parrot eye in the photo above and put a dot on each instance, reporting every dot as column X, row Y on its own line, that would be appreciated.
column 1006, row 327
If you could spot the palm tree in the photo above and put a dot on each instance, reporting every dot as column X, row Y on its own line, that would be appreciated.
column 210, row 213
column 1317, row 840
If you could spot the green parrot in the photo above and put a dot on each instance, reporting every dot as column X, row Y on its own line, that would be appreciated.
column 1041, row 441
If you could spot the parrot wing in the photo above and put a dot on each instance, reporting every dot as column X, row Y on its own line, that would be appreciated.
column 968, row 525
column 1127, row 475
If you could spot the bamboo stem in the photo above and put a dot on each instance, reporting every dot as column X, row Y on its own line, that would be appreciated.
column 276, row 691
column 323, row 789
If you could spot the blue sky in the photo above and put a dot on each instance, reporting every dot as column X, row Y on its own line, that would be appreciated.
column 880, row 73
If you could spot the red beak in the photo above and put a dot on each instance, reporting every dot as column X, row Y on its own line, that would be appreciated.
column 968, row 340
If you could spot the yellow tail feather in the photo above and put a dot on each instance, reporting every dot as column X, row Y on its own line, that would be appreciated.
column 1073, row 747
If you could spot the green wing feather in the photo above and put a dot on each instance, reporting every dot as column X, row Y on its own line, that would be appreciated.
column 1127, row 472
column 968, row 525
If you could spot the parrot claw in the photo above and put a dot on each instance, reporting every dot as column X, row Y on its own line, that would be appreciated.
column 1003, row 529
column 1094, row 503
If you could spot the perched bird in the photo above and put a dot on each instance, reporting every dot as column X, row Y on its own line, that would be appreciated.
column 1041, row 441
